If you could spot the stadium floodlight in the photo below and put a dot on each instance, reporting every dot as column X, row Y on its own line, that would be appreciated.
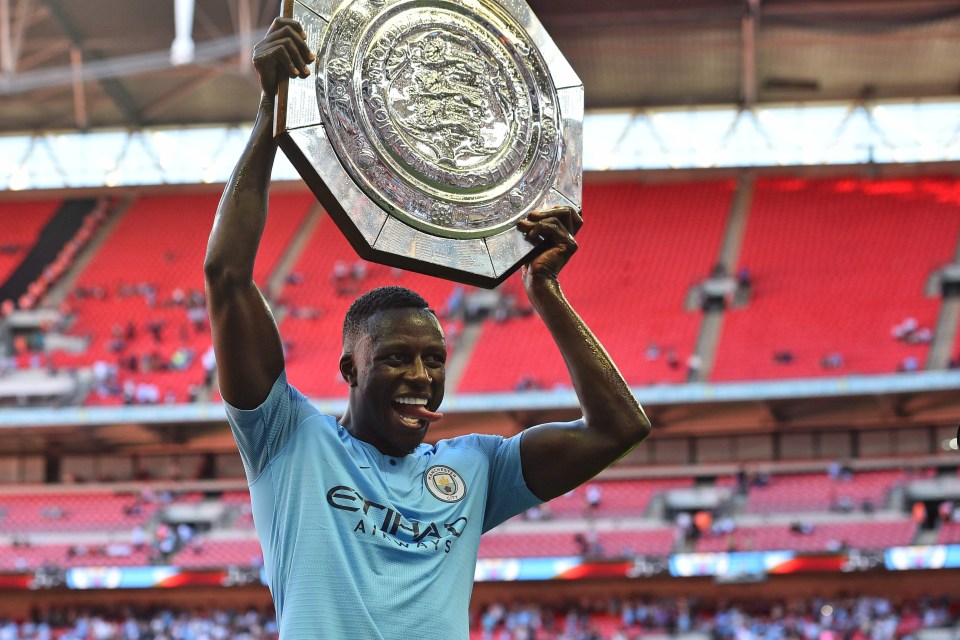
column 182, row 50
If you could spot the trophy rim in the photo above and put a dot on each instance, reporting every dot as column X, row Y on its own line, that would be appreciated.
column 484, row 257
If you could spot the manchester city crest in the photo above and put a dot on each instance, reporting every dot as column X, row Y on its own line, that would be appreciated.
column 445, row 484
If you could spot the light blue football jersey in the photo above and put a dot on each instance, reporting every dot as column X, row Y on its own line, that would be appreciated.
column 357, row 544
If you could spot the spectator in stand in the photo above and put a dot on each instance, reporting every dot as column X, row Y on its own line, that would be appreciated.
column 910, row 364
column 833, row 360
column 358, row 272
column 339, row 276
column 783, row 356
column 593, row 494
column 653, row 351
column 694, row 362
column 209, row 362
column 138, row 538
column 905, row 329
column 454, row 305
column 672, row 360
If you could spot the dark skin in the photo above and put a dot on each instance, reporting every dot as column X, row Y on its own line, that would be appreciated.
column 402, row 353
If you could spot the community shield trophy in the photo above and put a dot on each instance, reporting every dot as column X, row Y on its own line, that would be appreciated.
column 429, row 128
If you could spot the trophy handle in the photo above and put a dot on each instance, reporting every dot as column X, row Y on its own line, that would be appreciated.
column 280, row 104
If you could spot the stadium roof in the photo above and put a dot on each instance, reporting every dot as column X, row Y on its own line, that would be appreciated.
column 106, row 63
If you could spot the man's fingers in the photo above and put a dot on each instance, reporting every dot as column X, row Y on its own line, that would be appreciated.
column 551, row 230
column 281, row 23
column 280, row 55
column 293, row 51
column 291, row 37
column 571, row 218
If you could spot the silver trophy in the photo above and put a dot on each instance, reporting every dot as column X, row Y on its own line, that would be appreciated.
column 429, row 128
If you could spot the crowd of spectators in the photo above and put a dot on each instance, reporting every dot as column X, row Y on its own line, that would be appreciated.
column 850, row 618
column 129, row 623
column 853, row 618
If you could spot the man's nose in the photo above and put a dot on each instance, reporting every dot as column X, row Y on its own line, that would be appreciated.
column 418, row 371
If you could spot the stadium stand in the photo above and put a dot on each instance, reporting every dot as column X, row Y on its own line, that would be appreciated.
column 829, row 536
column 615, row 498
column 220, row 553
column 654, row 617
column 949, row 533
column 21, row 223
column 610, row 544
column 18, row 558
column 818, row 492
column 46, row 512
column 149, row 272
column 658, row 617
column 655, row 240
column 836, row 264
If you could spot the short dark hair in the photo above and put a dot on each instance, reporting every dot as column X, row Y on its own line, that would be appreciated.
column 375, row 301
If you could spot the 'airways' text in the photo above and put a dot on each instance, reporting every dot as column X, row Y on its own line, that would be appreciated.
column 390, row 524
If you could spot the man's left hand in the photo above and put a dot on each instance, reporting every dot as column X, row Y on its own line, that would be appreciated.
column 557, row 227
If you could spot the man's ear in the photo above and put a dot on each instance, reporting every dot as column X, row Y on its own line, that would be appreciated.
column 348, row 369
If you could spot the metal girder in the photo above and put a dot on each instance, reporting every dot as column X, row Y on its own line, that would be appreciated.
column 748, row 82
column 13, row 24
column 6, row 38
column 209, row 52
column 121, row 98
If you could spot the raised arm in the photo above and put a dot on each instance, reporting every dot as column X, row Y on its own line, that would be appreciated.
column 245, row 337
column 558, row 457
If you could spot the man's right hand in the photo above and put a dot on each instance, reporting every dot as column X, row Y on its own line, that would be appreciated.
column 283, row 52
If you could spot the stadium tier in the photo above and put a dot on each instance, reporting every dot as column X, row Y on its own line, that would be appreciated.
column 949, row 533
column 565, row 544
column 20, row 558
column 220, row 553
column 140, row 299
column 71, row 512
column 817, row 492
column 836, row 264
column 826, row 536
column 642, row 248
column 22, row 223
column 612, row 498
column 605, row 519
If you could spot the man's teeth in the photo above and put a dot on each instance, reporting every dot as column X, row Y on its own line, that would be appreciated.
column 420, row 401
column 410, row 421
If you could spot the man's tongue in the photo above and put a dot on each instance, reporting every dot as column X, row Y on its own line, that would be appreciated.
column 417, row 411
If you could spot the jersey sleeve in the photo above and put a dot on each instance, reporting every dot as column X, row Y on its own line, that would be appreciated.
column 507, row 492
column 263, row 432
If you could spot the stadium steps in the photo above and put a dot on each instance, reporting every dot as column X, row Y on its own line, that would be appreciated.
column 737, row 223
column 59, row 291
column 711, row 327
column 292, row 254
column 945, row 335
column 462, row 354
column 925, row 537
column 60, row 228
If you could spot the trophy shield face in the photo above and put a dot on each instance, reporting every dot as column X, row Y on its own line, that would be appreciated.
column 429, row 128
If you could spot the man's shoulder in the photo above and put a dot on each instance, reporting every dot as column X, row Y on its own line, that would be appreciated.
column 483, row 444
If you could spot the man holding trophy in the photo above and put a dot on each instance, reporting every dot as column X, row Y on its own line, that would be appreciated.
column 366, row 531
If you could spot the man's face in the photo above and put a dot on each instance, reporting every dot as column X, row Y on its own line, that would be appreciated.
column 398, row 366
